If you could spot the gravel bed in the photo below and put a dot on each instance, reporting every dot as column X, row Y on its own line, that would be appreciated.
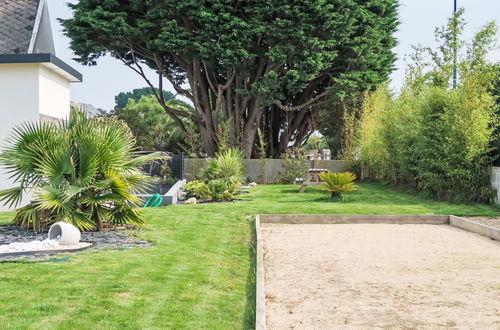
column 120, row 238
column 489, row 221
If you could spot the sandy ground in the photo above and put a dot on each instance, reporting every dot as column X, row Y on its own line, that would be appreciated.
column 380, row 276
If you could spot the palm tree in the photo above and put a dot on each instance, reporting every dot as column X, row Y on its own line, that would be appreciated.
column 337, row 183
column 81, row 171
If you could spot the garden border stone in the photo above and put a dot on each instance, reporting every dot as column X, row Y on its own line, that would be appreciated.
column 47, row 252
column 430, row 219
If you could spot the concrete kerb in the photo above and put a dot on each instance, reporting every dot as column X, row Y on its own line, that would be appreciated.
column 172, row 196
column 454, row 221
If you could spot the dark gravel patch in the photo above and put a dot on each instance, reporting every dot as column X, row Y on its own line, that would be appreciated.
column 117, row 238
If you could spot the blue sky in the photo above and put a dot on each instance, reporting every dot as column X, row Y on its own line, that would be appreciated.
column 418, row 20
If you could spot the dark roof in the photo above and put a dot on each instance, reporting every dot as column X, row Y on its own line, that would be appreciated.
column 48, row 59
column 17, row 19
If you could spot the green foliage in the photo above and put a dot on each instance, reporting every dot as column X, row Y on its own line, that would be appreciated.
column 337, row 183
column 262, row 150
column 433, row 138
column 227, row 166
column 152, row 127
column 219, row 191
column 122, row 99
column 316, row 142
column 167, row 175
column 295, row 165
column 80, row 171
column 222, row 177
column 243, row 60
column 195, row 188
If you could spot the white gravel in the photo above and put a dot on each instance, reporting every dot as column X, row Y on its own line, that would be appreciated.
column 46, row 244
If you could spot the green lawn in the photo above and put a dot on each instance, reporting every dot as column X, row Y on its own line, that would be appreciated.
column 199, row 275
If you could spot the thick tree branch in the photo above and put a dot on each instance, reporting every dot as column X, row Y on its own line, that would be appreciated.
column 301, row 106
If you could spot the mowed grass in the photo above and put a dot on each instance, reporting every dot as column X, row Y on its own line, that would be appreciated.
column 198, row 275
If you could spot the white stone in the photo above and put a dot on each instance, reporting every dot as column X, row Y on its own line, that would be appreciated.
column 191, row 200
column 29, row 246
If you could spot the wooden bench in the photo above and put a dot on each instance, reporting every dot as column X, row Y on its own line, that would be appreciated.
column 312, row 179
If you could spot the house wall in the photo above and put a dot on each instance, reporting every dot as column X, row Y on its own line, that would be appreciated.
column 27, row 92
column 54, row 94
column 18, row 103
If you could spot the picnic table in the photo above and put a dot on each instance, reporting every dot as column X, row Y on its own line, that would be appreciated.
column 312, row 179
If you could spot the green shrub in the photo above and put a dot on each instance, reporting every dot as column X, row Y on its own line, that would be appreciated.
column 167, row 175
column 221, row 178
column 227, row 166
column 218, row 191
column 431, row 136
column 337, row 183
column 214, row 190
column 195, row 188
column 80, row 171
column 295, row 165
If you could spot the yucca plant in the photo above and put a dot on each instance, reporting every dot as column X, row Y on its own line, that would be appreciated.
column 338, row 183
column 227, row 167
column 80, row 171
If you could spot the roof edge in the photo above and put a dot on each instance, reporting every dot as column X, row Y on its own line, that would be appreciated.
column 41, row 58
column 36, row 25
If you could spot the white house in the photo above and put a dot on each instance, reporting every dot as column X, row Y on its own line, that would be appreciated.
column 34, row 83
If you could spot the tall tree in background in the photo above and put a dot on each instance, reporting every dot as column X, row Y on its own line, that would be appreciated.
column 249, row 64
column 121, row 100
column 152, row 128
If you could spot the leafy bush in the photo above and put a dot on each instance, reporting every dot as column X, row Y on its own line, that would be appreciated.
column 218, row 191
column 295, row 165
column 80, row 171
column 195, row 188
column 227, row 167
column 152, row 127
column 431, row 136
column 213, row 190
column 166, row 172
column 222, row 177
column 337, row 183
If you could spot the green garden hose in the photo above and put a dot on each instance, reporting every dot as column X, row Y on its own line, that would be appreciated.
column 154, row 201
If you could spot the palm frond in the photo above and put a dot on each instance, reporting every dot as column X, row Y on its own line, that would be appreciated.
column 81, row 171
column 337, row 183
column 12, row 196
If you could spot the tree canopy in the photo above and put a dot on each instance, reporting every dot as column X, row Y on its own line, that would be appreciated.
column 249, row 64
column 121, row 100
column 152, row 128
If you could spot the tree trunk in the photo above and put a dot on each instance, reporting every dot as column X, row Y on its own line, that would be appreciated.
column 336, row 195
column 98, row 222
column 230, row 99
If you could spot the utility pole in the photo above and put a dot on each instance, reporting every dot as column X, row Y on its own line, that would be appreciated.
column 455, row 50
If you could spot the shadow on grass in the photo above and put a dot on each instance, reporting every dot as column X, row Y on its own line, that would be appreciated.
column 249, row 318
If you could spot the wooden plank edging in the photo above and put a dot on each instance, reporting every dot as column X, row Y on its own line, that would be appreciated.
column 475, row 227
column 260, row 295
column 431, row 219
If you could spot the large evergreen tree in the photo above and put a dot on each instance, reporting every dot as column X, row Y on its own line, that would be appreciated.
column 250, row 63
